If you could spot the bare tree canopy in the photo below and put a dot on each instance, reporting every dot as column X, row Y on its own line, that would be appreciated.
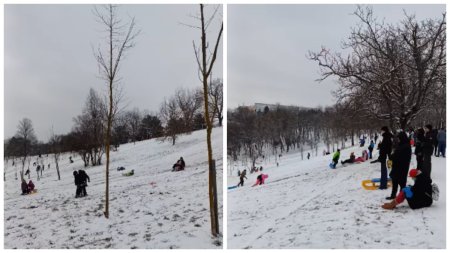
column 393, row 71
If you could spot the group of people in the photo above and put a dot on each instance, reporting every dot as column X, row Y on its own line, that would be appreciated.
column 364, row 157
column 259, row 179
column 81, row 180
column 398, row 149
column 27, row 188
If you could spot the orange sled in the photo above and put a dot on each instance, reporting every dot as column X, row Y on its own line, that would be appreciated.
column 374, row 184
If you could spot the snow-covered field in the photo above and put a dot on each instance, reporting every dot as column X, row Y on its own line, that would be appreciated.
column 155, row 208
column 304, row 204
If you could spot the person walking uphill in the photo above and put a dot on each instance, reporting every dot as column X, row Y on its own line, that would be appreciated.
column 400, row 164
column 385, row 151
column 241, row 178
column 419, row 195
column 335, row 159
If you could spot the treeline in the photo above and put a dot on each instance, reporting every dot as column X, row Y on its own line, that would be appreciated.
column 179, row 114
column 253, row 134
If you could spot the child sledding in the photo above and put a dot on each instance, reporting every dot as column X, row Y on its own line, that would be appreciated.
column 27, row 188
column 128, row 174
column 179, row 165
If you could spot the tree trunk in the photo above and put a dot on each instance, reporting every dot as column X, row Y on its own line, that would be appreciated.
column 212, row 181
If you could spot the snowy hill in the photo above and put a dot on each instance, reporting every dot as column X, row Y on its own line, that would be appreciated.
column 304, row 204
column 155, row 208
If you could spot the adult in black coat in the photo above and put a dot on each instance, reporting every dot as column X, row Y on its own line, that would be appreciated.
column 84, row 178
column 385, row 151
column 419, row 195
column 400, row 164
column 77, row 183
column 428, row 150
column 418, row 151
column 434, row 133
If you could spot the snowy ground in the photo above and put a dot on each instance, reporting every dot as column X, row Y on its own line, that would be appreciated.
column 155, row 208
column 304, row 204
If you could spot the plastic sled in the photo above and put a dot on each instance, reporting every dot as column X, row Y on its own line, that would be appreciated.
column 374, row 184
column 232, row 187
column 332, row 166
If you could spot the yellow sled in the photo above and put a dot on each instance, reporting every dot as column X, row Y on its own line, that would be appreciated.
column 374, row 184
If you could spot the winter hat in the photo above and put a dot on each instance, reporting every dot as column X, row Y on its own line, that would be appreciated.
column 385, row 128
column 414, row 172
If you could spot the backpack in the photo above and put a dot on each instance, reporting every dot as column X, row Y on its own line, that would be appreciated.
column 435, row 192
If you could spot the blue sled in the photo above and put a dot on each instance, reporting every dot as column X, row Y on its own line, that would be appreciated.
column 232, row 187
column 332, row 166
column 377, row 180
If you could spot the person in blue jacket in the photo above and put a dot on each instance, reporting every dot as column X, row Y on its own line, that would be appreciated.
column 418, row 196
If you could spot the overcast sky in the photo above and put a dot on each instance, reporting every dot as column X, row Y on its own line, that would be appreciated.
column 268, row 44
column 50, row 67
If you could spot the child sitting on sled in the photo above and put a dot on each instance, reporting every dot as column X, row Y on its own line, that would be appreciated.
column 362, row 158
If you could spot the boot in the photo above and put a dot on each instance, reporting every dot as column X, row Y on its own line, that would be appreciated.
column 391, row 205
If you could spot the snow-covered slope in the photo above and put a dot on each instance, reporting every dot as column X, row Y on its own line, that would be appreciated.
column 304, row 204
column 155, row 208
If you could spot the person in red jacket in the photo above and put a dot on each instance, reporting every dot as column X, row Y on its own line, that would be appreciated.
column 260, row 179
column 30, row 186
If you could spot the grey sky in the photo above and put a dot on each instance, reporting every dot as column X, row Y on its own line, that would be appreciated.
column 49, row 65
column 268, row 44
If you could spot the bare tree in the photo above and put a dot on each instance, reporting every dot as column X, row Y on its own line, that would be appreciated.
column 188, row 102
column 120, row 38
column 89, row 127
column 171, row 116
column 397, row 68
column 215, row 94
column 55, row 147
column 205, row 60
column 133, row 119
column 25, row 132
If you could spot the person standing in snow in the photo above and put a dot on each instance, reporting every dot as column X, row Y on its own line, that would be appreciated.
column 84, row 179
column 442, row 141
column 418, row 151
column 371, row 146
column 434, row 133
column 309, row 155
column 385, row 151
column 77, row 183
column 428, row 150
column 418, row 196
column 241, row 178
column 335, row 160
column 400, row 164
column 24, row 187
column 376, row 137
